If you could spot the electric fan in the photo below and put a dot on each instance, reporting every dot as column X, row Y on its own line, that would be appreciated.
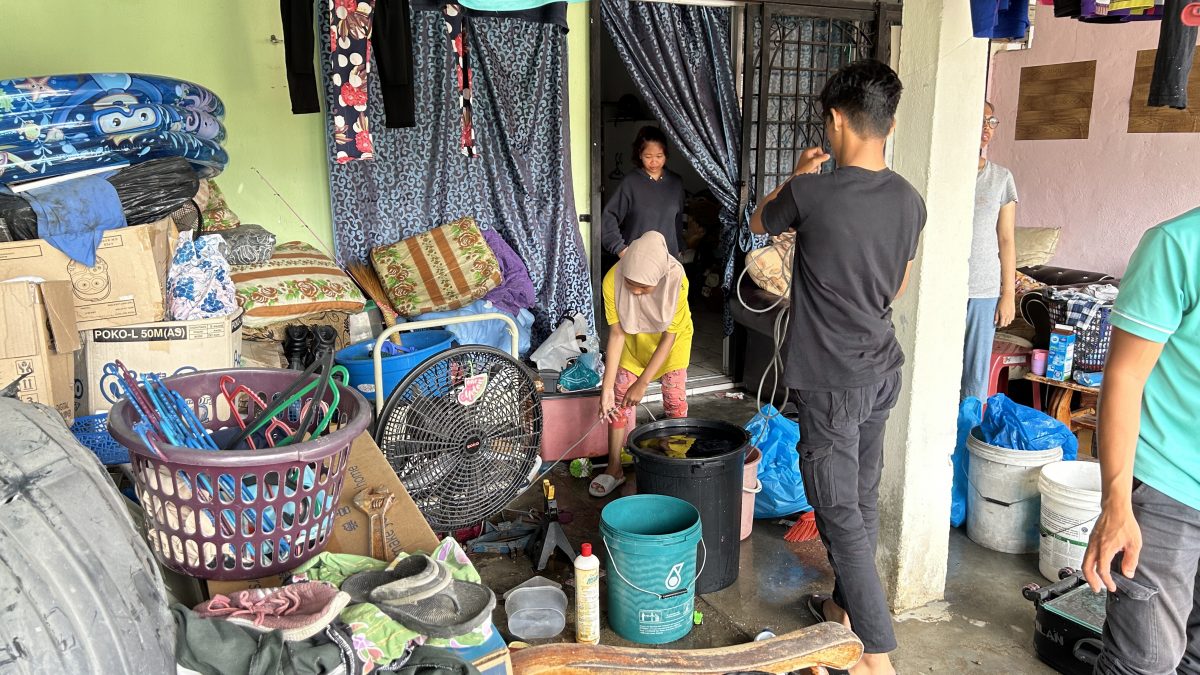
column 463, row 431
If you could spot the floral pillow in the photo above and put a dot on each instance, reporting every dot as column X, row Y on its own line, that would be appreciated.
column 445, row 268
column 297, row 281
column 216, row 214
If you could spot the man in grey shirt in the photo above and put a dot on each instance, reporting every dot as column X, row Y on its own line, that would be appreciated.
column 993, row 264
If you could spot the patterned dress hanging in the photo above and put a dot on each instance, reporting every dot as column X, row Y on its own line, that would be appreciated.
column 349, row 68
column 456, row 30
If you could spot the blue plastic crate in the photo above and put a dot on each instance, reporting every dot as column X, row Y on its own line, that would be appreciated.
column 92, row 433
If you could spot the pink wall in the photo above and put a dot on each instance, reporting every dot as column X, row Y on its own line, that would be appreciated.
column 1105, row 191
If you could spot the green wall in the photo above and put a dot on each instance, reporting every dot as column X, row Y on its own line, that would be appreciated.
column 226, row 46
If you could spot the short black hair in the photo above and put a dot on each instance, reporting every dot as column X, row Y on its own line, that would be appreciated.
column 866, row 93
column 648, row 135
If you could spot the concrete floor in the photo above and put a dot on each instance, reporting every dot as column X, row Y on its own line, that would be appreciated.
column 983, row 626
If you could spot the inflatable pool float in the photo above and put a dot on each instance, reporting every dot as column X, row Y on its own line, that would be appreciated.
column 61, row 124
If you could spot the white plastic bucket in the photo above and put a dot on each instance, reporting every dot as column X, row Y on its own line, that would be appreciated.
column 1003, row 503
column 1070, row 506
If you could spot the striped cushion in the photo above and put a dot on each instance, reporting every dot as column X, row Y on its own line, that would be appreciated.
column 297, row 281
column 445, row 268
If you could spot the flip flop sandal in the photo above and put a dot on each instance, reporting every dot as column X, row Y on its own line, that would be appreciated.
column 604, row 485
column 456, row 610
column 414, row 578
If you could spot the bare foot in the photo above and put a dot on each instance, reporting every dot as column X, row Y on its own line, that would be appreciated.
column 835, row 613
column 874, row 664
column 617, row 471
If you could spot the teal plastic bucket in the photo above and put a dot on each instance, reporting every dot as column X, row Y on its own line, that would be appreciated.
column 652, row 568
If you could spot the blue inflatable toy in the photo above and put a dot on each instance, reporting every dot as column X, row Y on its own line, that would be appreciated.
column 60, row 124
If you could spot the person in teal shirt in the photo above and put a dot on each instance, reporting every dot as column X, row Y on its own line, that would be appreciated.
column 1145, row 548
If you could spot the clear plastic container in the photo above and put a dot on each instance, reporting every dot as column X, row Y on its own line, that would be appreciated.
column 537, row 612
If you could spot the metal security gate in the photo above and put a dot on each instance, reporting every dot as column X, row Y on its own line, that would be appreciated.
column 804, row 44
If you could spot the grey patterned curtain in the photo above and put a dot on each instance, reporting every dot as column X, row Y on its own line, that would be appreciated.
column 519, row 185
column 679, row 58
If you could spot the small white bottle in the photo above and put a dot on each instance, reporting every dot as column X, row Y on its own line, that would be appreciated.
column 587, row 596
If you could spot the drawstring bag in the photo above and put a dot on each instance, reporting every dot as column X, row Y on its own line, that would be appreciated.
column 198, row 282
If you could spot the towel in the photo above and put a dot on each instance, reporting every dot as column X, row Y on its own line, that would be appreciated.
column 73, row 216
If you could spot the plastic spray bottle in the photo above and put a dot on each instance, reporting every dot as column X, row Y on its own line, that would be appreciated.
column 587, row 596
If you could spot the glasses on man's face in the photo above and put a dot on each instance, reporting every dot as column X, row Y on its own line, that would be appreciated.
column 991, row 122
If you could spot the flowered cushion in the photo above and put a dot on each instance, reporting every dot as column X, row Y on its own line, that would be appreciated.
column 297, row 281
column 445, row 268
column 216, row 215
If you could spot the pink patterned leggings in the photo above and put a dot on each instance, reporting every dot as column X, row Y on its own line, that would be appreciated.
column 674, row 392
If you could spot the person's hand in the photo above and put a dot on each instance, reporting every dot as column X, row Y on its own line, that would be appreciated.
column 608, row 404
column 811, row 161
column 621, row 253
column 1006, row 310
column 1116, row 532
column 635, row 393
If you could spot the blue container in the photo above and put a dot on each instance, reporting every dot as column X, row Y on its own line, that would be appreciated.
column 651, row 543
column 357, row 359
column 92, row 433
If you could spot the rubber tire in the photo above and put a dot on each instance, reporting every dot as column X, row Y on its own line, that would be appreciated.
column 79, row 589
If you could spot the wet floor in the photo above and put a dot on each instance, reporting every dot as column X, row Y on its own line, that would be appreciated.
column 982, row 626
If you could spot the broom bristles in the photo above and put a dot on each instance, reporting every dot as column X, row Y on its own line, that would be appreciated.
column 364, row 275
column 805, row 528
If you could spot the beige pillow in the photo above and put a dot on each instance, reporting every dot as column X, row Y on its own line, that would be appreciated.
column 1035, row 245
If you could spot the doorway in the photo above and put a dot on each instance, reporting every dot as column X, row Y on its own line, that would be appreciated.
column 805, row 43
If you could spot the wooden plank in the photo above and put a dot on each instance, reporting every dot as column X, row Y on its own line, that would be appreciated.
column 1146, row 120
column 828, row 644
column 1055, row 101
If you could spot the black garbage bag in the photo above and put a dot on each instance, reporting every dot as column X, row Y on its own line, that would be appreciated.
column 155, row 189
column 148, row 192
column 18, row 222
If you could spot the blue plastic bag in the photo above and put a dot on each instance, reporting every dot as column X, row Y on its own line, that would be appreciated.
column 1017, row 427
column 970, row 412
column 776, row 437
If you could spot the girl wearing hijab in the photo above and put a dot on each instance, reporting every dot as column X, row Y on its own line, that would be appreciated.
column 650, row 338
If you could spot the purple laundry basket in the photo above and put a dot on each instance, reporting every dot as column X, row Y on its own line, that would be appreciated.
column 239, row 514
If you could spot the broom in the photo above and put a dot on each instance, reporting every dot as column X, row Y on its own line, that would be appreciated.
column 364, row 275
column 805, row 528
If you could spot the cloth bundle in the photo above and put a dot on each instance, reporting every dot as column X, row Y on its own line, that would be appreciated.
column 770, row 267
column 248, row 244
column 198, row 282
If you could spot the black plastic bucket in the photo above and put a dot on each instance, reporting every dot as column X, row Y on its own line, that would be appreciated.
column 700, row 462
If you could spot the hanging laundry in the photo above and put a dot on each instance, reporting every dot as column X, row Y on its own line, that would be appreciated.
column 1173, row 63
column 389, row 32
column 1000, row 19
column 298, row 45
column 456, row 30
column 349, row 65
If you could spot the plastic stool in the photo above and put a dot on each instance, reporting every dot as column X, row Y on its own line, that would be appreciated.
column 1005, row 355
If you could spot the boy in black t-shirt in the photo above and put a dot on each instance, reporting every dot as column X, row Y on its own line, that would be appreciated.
column 856, row 235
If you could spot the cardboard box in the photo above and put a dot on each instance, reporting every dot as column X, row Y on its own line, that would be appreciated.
column 167, row 348
column 406, row 530
column 126, row 285
column 37, row 339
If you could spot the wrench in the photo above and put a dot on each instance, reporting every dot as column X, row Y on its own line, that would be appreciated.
column 375, row 502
